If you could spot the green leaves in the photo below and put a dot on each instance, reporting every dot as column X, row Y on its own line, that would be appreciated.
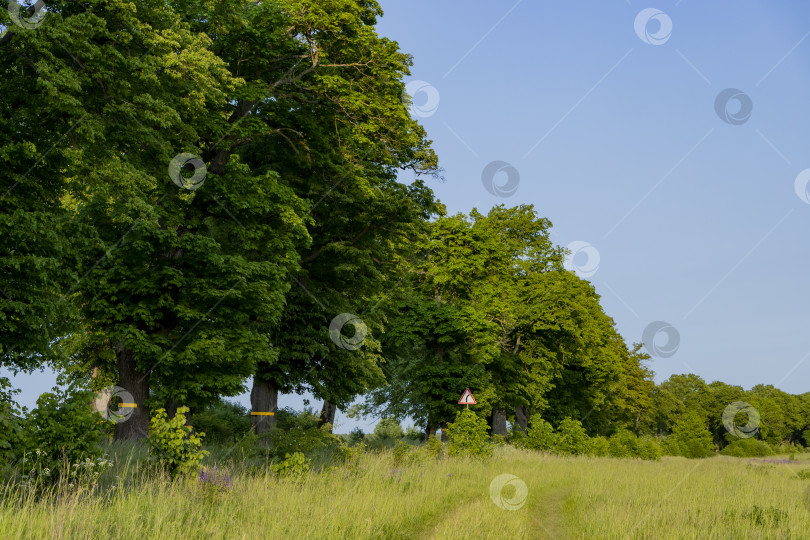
column 173, row 444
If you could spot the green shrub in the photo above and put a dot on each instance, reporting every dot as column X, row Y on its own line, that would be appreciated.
column 173, row 445
column 294, row 467
column 412, row 433
column 311, row 441
column 356, row 436
column 600, row 446
column 541, row 435
column 61, row 430
column 351, row 457
column 10, row 423
column 468, row 436
column 572, row 438
column 803, row 474
column 287, row 419
column 386, row 434
column 434, row 448
column 624, row 444
column 690, row 438
column 403, row 454
column 517, row 437
column 222, row 422
column 747, row 448
column 650, row 449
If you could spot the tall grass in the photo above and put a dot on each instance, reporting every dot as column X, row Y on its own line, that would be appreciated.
column 574, row 497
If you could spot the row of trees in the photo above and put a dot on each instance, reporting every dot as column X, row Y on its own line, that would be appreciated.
column 295, row 110
column 192, row 191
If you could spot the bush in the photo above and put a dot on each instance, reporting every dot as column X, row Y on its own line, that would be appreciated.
column 222, row 422
column 311, row 441
column 541, row 435
column 624, row 444
column 351, row 457
column 386, row 434
column 414, row 434
column 747, row 448
column 403, row 454
column 468, row 436
column 173, row 445
column 10, row 423
column 356, row 437
column 650, row 449
column 517, row 437
column 61, row 430
column 434, row 448
column 295, row 467
column 690, row 438
column 572, row 438
column 600, row 446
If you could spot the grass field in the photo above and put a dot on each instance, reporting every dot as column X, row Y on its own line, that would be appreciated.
column 575, row 497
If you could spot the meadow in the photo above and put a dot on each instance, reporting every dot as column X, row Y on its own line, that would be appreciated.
column 564, row 497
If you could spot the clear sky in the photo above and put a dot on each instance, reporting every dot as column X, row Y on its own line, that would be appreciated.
column 611, row 117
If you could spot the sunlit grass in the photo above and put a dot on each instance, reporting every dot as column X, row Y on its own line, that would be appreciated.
column 571, row 497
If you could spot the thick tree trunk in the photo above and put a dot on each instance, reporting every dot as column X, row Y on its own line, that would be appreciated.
column 263, row 399
column 445, row 438
column 430, row 431
column 171, row 408
column 522, row 418
column 499, row 422
column 136, row 425
column 328, row 414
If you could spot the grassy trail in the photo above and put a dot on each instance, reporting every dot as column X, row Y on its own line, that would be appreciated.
column 570, row 497
column 551, row 521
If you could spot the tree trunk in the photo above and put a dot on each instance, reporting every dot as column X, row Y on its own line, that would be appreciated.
column 135, row 425
column 499, row 422
column 171, row 408
column 522, row 418
column 263, row 399
column 328, row 414
column 445, row 438
column 430, row 431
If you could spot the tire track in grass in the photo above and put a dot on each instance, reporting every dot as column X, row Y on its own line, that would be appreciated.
column 548, row 515
column 435, row 528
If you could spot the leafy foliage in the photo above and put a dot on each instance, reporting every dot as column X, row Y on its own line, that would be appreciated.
column 222, row 422
column 294, row 466
column 468, row 436
column 690, row 438
column 747, row 448
column 61, row 430
column 173, row 444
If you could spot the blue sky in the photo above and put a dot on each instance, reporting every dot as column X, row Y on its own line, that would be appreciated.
column 697, row 222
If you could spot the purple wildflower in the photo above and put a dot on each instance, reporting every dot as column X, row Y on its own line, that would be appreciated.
column 222, row 482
